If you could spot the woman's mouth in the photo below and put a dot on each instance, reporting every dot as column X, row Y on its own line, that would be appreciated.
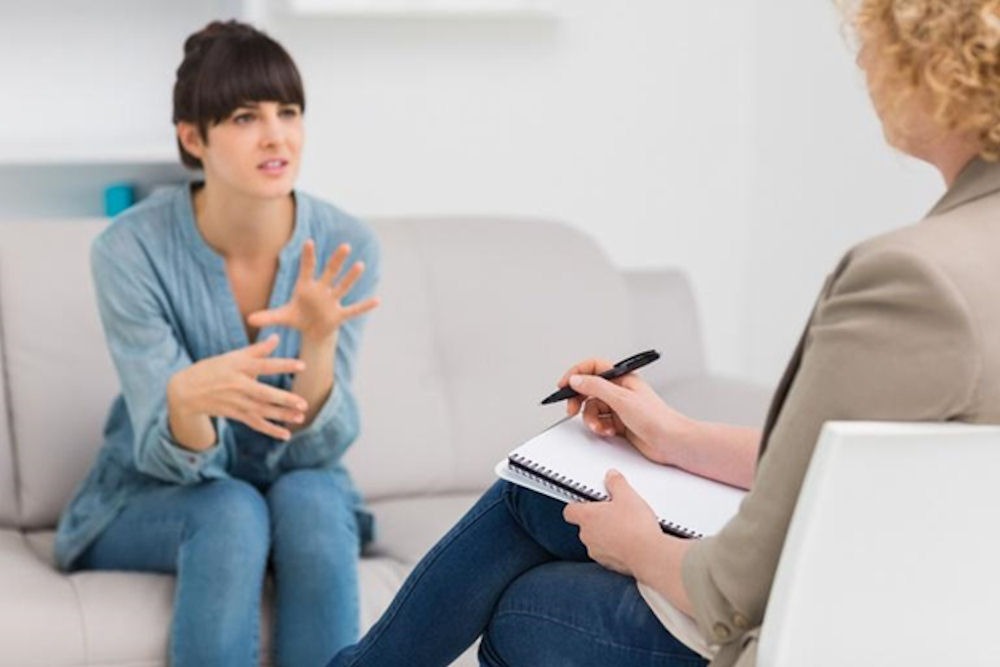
column 275, row 166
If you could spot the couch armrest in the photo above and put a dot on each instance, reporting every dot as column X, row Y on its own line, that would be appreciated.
column 664, row 317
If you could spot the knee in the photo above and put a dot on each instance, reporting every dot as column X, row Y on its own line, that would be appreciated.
column 233, row 518
column 312, row 510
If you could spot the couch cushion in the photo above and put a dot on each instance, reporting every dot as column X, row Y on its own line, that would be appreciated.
column 37, row 603
column 408, row 527
column 118, row 618
column 480, row 317
column 8, row 487
column 59, row 374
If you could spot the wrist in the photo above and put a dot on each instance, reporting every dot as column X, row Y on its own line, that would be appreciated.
column 679, row 438
column 319, row 339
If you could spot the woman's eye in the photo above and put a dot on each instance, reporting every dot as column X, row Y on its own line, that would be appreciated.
column 242, row 118
column 289, row 112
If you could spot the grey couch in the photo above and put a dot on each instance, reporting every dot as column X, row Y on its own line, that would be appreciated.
column 479, row 318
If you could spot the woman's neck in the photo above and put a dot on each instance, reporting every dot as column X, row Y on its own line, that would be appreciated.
column 243, row 227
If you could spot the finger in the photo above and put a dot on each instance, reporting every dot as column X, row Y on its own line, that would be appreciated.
column 279, row 414
column 586, row 367
column 598, row 387
column 335, row 263
column 347, row 282
column 266, row 318
column 618, row 424
column 573, row 405
column 597, row 416
column 261, row 425
column 275, row 366
column 360, row 308
column 245, row 410
column 573, row 513
column 307, row 264
column 265, row 393
column 263, row 348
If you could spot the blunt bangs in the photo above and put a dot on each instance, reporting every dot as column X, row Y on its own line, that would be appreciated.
column 236, row 72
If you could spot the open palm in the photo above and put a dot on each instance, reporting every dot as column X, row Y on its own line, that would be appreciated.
column 316, row 308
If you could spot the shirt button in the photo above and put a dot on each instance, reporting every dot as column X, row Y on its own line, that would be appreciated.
column 740, row 621
column 722, row 631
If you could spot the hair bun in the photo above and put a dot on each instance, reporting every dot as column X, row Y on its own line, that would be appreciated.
column 202, row 40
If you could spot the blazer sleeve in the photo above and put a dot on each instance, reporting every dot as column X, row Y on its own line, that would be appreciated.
column 146, row 352
column 337, row 424
column 891, row 340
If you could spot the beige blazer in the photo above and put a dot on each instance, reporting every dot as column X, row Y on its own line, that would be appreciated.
column 906, row 328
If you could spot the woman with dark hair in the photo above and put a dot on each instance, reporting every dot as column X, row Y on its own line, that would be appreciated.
column 905, row 329
column 234, row 327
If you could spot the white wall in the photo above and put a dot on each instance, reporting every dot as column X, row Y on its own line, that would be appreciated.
column 731, row 138
column 821, row 176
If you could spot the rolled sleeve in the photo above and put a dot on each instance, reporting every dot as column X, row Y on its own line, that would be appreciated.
column 325, row 440
column 146, row 352
column 177, row 462
column 891, row 340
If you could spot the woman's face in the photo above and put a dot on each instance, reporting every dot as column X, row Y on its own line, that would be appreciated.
column 256, row 150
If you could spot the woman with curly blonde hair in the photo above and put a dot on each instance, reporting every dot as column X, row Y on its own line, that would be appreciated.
column 904, row 329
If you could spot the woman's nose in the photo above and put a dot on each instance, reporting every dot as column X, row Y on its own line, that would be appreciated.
column 272, row 129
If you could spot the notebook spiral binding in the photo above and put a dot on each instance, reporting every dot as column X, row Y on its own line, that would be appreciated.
column 578, row 491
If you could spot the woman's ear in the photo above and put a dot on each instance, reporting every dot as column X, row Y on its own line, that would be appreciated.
column 190, row 137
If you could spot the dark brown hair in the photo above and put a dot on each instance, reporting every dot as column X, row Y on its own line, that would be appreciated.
column 227, row 65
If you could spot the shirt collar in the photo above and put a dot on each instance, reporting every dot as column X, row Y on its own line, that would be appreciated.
column 184, row 210
column 977, row 179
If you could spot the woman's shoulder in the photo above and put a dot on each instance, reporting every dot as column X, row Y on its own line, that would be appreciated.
column 150, row 220
column 331, row 225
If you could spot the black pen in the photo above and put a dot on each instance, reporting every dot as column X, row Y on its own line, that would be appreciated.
column 623, row 367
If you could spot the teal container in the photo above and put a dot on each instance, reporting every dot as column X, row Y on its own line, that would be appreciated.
column 117, row 198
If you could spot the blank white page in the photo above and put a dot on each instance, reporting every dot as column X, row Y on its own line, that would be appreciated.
column 570, row 453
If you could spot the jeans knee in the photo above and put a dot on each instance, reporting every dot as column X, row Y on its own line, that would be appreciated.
column 233, row 518
column 312, row 511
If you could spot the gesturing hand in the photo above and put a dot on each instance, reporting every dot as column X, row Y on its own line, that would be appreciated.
column 227, row 386
column 315, row 308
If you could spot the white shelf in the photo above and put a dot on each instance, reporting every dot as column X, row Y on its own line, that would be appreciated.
column 55, row 154
column 475, row 9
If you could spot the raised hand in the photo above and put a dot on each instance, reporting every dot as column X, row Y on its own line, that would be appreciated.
column 316, row 308
column 226, row 386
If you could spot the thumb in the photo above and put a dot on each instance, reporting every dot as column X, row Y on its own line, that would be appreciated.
column 616, row 484
column 597, row 387
column 263, row 318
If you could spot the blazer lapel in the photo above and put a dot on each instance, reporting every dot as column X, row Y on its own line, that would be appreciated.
column 781, row 393
column 977, row 179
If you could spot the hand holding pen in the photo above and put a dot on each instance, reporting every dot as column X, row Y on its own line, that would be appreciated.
column 616, row 401
column 623, row 367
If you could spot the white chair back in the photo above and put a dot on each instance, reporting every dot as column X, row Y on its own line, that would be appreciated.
column 893, row 552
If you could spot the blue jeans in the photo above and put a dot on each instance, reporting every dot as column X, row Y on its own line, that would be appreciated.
column 515, row 572
column 217, row 538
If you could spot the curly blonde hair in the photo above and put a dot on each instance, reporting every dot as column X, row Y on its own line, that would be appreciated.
column 948, row 50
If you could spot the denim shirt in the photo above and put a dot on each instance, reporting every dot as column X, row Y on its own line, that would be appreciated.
column 165, row 303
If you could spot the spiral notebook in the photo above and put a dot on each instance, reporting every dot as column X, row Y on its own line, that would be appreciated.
column 568, row 462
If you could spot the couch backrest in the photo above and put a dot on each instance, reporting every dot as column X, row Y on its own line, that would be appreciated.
column 8, row 497
column 479, row 318
column 60, row 380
